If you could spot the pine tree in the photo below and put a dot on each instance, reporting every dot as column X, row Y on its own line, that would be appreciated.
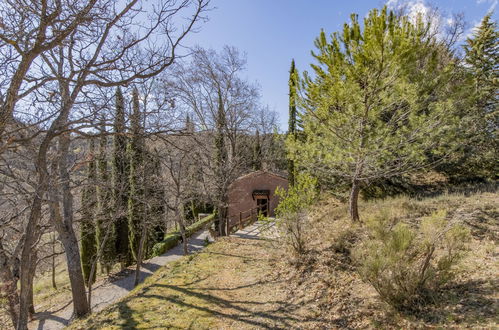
column 257, row 152
column 482, row 58
column 88, row 207
column 136, row 202
column 121, row 184
column 479, row 157
column 105, row 226
column 292, row 118
column 381, row 98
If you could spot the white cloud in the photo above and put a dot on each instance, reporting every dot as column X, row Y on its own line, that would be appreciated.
column 392, row 4
column 413, row 8
column 420, row 8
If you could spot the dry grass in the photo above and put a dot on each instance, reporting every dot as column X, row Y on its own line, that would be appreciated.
column 327, row 274
column 229, row 285
column 247, row 284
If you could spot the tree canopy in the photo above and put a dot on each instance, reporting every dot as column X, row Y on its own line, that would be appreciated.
column 380, row 97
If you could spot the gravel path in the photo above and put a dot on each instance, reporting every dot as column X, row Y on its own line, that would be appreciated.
column 107, row 293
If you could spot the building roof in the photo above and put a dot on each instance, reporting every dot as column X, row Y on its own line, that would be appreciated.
column 260, row 172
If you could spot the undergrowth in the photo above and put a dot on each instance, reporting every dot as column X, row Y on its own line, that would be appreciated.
column 410, row 263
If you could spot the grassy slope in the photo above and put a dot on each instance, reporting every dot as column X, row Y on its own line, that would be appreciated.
column 239, row 284
column 345, row 301
column 228, row 285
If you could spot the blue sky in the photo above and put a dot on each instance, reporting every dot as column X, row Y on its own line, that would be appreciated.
column 272, row 32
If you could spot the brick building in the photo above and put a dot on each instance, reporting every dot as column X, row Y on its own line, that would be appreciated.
column 256, row 189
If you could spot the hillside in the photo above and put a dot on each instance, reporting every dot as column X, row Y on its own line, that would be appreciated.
column 241, row 282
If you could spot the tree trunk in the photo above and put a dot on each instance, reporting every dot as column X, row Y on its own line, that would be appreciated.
column 31, row 234
column 354, row 198
column 28, row 257
column 181, row 224
column 9, row 286
column 31, row 304
column 140, row 255
column 54, row 285
column 67, row 234
column 222, row 218
column 93, row 270
column 184, row 239
column 70, row 243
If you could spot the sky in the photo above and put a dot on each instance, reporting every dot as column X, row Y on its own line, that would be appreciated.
column 272, row 32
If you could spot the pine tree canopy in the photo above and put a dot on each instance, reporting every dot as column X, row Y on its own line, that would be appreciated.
column 380, row 97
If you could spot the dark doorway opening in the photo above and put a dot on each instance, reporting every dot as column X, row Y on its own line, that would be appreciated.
column 263, row 206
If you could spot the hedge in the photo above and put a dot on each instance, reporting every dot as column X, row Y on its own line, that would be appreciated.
column 172, row 239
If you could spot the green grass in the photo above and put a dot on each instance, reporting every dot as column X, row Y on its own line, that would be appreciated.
column 159, row 302
column 225, row 285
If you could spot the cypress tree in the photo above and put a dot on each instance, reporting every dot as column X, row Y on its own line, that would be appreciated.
column 88, row 205
column 220, row 162
column 155, row 198
column 105, row 239
column 136, row 201
column 189, row 125
column 120, row 183
column 257, row 152
column 292, row 118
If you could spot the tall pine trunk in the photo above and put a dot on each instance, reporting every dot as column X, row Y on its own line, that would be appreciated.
column 354, row 199
column 222, row 174
column 105, row 218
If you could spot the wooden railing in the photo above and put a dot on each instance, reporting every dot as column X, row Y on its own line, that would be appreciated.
column 245, row 218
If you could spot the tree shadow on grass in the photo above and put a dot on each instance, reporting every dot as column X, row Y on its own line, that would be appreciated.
column 281, row 316
column 234, row 255
column 269, row 314
column 125, row 316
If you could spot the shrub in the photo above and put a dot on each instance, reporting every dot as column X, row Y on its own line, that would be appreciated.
column 166, row 244
column 198, row 225
column 291, row 213
column 407, row 266
column 172, row 239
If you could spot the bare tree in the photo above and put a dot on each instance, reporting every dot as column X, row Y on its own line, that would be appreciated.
column 102, row 44
column 28, row 29
column 177, row 157
column 224, row 106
